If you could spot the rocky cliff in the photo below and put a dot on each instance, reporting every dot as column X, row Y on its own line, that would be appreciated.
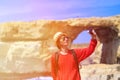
column 26, row 47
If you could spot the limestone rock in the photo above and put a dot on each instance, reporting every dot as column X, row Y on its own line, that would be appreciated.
column 100, row 72
column 26, row 47
column 43, row 29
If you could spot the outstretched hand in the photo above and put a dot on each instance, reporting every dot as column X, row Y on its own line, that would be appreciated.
column 92, row 33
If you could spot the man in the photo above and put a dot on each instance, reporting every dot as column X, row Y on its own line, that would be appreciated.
column 65, row 67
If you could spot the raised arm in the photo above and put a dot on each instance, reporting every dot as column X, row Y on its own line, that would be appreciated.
column 85, row 52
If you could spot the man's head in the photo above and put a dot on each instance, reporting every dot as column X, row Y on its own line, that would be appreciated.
column 61, row 39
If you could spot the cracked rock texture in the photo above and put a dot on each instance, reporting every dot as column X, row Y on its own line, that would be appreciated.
column 26, row 47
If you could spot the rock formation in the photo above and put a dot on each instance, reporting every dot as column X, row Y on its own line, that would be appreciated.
column 23, row 44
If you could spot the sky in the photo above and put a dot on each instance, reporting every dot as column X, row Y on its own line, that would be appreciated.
column 30, row 10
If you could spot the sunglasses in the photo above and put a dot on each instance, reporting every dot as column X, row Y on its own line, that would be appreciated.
column 63, row 38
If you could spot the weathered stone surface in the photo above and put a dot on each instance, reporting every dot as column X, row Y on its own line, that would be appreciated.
column 43, row 29
column 24, row 57
column 88, row 72
column 26, row 47
column 100, row 72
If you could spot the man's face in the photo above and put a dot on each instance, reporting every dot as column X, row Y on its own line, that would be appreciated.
column 64, row 40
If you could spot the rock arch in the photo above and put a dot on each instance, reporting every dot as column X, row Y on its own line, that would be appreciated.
column 107, row 29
